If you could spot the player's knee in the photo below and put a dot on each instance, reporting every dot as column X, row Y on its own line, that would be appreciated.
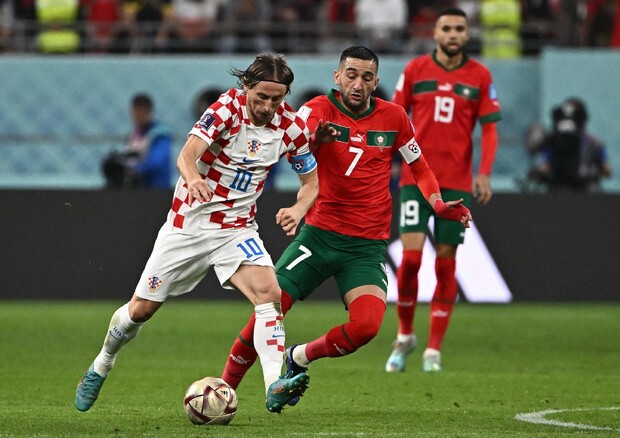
column 361, row 334
column 446, row 290
column 266, row 293
column 412, row 261
column 365, row 320
column 141, row 310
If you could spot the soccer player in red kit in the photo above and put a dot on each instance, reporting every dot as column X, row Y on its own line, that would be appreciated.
column 445, row 92
column 346, row 231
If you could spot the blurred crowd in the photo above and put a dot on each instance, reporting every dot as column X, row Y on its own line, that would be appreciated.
column 500, row 28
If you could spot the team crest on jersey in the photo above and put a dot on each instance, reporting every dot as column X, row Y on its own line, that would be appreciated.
column 380, row 139
column 154, row 283
column 253, row 147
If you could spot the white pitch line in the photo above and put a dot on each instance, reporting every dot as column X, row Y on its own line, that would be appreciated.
column 539, row 418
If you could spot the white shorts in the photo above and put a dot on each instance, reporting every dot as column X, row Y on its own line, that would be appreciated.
column 180, row 261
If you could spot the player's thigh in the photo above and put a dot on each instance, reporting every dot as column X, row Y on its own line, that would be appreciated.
column 414, row 211
column 257, row 283
column 177, row 264
column 363, row 264
column 243, row 247
column 307, row 262
column 451, row 232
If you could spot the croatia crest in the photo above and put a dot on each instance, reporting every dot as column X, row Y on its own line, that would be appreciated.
column 154, row 283
column 253, row 147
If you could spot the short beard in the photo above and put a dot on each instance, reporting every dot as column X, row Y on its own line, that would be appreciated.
column 353, row 106
column 451, row 53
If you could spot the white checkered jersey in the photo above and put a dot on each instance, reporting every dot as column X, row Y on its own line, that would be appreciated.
column 237, row 162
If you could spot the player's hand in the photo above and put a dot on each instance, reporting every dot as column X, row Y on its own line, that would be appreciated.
column 324, row 133
column 289, row 218
column 199, row 191
column 453, row 210
column 482, row 189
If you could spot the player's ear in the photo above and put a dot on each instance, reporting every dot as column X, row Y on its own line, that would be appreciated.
column 336, row 77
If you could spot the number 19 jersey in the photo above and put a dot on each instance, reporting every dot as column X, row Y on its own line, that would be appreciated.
column 444, row 106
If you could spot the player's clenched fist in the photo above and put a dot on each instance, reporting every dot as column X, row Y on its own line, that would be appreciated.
column 288, row 219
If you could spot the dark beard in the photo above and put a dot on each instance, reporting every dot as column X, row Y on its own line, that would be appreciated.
column 451, row 53
column 352, row 105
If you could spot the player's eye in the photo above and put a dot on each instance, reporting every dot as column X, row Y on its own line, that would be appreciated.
column 459, row 28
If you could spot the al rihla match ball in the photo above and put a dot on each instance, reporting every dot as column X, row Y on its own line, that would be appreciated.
column 210, row 401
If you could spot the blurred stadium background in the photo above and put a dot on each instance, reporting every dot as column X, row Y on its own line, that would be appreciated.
column 65, row 104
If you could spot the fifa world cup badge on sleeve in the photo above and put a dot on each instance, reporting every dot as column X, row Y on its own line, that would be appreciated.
column 206, row 122
column 411, row 151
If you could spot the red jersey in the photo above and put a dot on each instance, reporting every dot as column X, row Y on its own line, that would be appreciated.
column 354, row 171
column 444, row 106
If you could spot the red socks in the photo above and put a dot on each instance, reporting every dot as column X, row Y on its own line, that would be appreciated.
column 443, row 301
column 407, row 277
column 242, row 354
column 365, row 317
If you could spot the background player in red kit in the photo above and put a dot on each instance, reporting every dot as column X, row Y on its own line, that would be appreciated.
column 346, row 230
column 446, row 92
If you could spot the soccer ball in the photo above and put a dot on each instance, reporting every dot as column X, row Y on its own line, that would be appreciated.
column 210, row 401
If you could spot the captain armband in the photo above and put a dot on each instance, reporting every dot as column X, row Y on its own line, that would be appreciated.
column 303, row 164
column 411, row 151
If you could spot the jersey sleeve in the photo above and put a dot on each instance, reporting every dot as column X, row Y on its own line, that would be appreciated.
column 297, row 137
column 402, row 91
column 406, row 142
column 489, row 110
column 310, row 115
column 218, row 118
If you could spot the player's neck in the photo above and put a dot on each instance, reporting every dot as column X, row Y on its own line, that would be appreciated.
column 448, row 62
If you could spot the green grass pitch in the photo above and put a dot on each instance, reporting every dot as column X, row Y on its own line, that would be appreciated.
column 499, row 360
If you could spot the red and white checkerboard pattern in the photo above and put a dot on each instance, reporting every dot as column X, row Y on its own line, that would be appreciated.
column 236, row 163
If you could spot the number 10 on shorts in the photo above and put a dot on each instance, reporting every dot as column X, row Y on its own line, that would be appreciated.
column 251, row 248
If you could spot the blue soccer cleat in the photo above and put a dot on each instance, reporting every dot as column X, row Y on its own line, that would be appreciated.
column 284, row 389
column 293, row 369
column 397, row 361
column 88, row 390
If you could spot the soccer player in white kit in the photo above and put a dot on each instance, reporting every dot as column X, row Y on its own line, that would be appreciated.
column 224, row 165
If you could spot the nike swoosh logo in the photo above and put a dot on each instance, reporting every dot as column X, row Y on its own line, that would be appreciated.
column 245, row 160
column 277, row 336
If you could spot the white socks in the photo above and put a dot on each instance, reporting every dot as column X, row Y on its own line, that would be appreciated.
column 122, row 329
column 403, row 338
column 299, row 356
column 269, row 337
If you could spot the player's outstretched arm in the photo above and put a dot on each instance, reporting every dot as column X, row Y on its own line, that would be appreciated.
column 290, row 217
column 453, row 210
column 425, row 178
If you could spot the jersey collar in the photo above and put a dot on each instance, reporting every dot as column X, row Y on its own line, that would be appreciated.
column 436, row 61
column 333, row 97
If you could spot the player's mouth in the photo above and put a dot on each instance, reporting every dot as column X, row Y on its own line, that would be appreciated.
column 357, row 97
